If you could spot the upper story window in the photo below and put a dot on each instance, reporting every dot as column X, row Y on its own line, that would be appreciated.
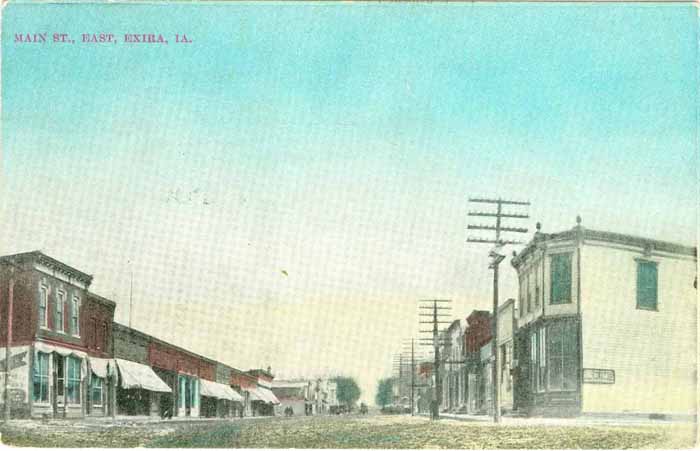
column 647, row 285
column 560, row 278
column 74, row 316
column 60, row 302
column 537, row 288
column 529, row 295
column 43, row 306
column 105, row 335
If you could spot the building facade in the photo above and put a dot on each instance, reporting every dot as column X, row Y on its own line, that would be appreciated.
column 294, row 395
column 476, row 335
column 58, row 337
column 606, row 323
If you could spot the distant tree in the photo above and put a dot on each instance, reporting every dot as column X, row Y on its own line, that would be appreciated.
column 347, row 392
column 384, row 392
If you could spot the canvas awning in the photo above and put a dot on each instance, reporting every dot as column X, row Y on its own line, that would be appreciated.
column 65, row 352
column 217, row 390
column 102, row 367
column 263, row 394
column 137, row 375
column 48, row 349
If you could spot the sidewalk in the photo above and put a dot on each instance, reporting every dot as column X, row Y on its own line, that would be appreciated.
column 584, row 420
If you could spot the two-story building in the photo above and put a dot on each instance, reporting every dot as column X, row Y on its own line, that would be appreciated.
column 476, row 335
column 453, row 376
column 262, row 400
column 58, row 336
column 606, row 323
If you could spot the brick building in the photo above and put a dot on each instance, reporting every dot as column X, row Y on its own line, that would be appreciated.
column 169, row 380
column 58, row 335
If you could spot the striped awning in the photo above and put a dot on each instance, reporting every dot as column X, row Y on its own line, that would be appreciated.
column 263, row 394
column 217, row 390
column 137, row 375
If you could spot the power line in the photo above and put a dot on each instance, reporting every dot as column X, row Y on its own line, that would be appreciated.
column 496, row 259
column 437, row 386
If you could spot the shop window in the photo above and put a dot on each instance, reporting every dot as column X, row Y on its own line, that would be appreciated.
column 96, row 385
column 59, row 363
column 561, row 278
column 73, row 380
column 562, row 348
column 41, row 377
column 541, row 359
column 60, row 302
column 43, row 306
column 533, row 361
column 181, row 386
column 647, row 285
column 194, row 391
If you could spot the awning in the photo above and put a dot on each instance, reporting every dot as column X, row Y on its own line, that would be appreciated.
column 65, row 352
column 270, row 396
column 48, row 349
column 102, row 367
column 255, row 395
column 263, row 394
column 136, row 375
column 217, row 390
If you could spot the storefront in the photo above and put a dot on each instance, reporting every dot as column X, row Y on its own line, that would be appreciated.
column 139, row 389
column 101, row 387
column 57, row 378
column 218, row 400
column 547, row 375
column 188, row 396
column 262, row 401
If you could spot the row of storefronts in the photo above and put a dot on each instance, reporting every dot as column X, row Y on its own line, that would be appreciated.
column 604, row 323
column 68, row 358
column 306, row 396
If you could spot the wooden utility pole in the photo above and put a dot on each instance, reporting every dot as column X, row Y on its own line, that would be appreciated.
column 496, row 258
column 413, row 375
column 437, row 305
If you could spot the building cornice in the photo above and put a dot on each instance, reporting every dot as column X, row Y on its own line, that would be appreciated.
column 38, row 257
column 580, row 233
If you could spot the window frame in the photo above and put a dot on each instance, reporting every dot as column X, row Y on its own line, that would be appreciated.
column 44, row 385
column 60, row 314
column 542, row 367
column 73, row 384
column 93, row 387
column 563, row 330
column 529, row 294
column 75, row 315
column 43, row 299
column 569, row 256
column 653, row 264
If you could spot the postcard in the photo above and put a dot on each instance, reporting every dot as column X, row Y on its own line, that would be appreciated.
column 449, row 225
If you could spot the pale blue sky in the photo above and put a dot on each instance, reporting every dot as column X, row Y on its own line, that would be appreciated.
column 338, row 142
